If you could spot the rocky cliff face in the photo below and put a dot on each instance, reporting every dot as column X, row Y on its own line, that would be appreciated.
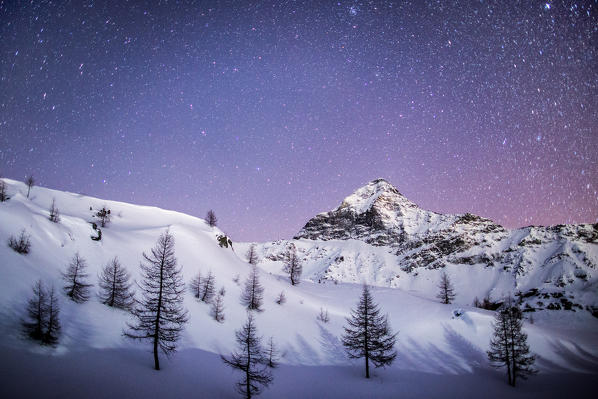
column 535, row 262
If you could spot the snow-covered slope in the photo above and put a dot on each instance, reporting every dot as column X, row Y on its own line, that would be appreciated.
column 438, row 353
column 548, row 267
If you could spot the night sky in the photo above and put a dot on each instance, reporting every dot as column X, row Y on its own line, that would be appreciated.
column 271, row 112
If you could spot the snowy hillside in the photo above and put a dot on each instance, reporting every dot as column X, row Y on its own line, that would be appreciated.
column 438, row 354
column 378, row 236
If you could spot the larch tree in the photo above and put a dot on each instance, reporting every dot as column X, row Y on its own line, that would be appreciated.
column 30, row 181
column 3, row 194
column 208, row 288
column 115, row 286
column 368, row 334
column 54, row 213
column 195, row 285
column 75, row 277
column 446, row 292
column 211, row 218
column 103, row 216
column 508, row 345
column 253, row 292
column 250, row 359
column 293, row 266
column 52, row 331
column 272, row 354
column 217, row 308
column 159, row 315
column 252, row 257
column 42, row 322
column 35, row 323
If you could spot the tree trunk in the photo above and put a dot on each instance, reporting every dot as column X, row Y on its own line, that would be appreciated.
column 247, row 381
column 157, row 327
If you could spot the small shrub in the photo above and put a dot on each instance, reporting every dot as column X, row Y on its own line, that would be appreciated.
column 281, row 298
column 22, row 244
column 323, row 316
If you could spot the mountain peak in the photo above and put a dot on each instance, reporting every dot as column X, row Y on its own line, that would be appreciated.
column 375, row 193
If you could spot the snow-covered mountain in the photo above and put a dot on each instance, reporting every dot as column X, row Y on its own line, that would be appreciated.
column 549, row 267
column 440, row 355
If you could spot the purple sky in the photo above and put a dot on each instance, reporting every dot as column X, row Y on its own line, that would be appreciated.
column 271, row 112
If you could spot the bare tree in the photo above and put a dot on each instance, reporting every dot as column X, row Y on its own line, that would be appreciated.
column 30, row 181
column 281, row 298
column 368, row 335
column 208, row 287
column 42, row 323
column 37, row 305
column 252, row 257
column 272, row 354
column 3, row 195
column 52, row 332
column 22, row 244
column 249, row 359
column 253, row 294
column 159, row 314
column 446, row 292
column 211, row 218
column 293, row 266
column 217, row 308
column 76, row 287
column 54, row 213
column 103, row 216
column 195, row 285
column 508, row 346
column 323, row 316
column 115, row 288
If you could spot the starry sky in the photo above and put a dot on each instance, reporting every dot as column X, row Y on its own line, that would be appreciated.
column 270, row 112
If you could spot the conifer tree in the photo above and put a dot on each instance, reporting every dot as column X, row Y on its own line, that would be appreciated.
column 103, row 216
column 37, row 305
column 293, row 266
column 195, row 285
column 446, row 292
column 250, row 359
column 52, row 331
column 3, row 194
column 253, row 294
column 368, row 334
column 30, row 181
column 208, row 288
column 159, row 314
column 272, row 354
column 54, row 213
column 217, row 308
column 508, row 346
column 115, row 288
column 75, row 277
column 42, row 323
column 252, row 255
column 211, row 218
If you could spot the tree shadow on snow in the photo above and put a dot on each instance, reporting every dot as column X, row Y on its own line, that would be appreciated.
column 331, row 346
column 577, row 358
column 303, row 354
column 457, row 356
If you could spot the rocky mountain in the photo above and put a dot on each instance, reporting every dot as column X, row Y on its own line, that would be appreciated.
column 548, row 267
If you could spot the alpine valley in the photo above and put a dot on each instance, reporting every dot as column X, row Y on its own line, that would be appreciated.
column 376, row 236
